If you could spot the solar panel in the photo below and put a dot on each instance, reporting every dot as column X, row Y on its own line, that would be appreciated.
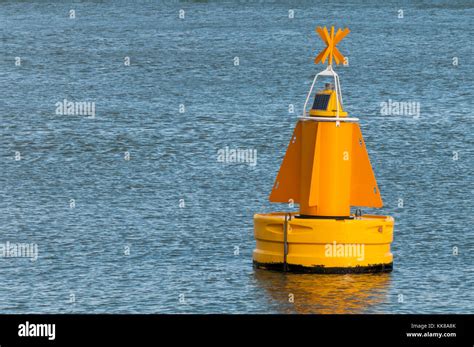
column 321, row 101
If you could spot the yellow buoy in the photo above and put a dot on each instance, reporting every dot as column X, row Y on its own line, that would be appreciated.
column 326, row 170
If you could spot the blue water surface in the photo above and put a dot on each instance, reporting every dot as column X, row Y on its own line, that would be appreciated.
column 171, row 229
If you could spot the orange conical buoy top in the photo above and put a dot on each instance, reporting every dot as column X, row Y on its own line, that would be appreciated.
column 326, row 168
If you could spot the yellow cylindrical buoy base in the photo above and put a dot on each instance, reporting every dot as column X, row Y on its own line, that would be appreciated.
column 358, row 244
